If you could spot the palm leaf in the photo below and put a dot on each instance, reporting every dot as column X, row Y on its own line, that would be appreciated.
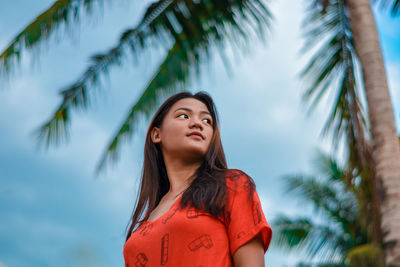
column 61, row 13
column 326, row 196
column 339, row 230
column 172, row 74
column 192, row 28
column 56, row 129
column 328, row 193
column 328, row 168
column 314, row 239
column 332, row 67
column 319, row 264
column 393, row 5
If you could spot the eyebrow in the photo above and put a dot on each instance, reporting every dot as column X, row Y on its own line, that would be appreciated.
column 189, row 110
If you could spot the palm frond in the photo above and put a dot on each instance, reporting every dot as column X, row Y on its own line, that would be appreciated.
column 320, row 264
column 329, row 198
column 332, row 68
column 61, row 13
column 328, row 168
column 338, row 212
column 332, row 265
column 393, row 5
column 192, row 28
column 327, row 192
column 172, row 75
column 312, row 238
column 56, row 129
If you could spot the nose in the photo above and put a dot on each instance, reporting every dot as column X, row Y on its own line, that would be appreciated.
column 195, row 122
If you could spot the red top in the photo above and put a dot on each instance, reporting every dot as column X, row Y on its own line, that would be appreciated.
column 187, row 237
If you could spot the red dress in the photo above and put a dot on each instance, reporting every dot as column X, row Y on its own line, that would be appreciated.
column 189, row 237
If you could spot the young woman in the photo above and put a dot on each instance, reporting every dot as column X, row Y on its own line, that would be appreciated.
column 199, row 212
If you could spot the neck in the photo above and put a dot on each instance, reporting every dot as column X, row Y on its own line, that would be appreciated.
column 178, row 172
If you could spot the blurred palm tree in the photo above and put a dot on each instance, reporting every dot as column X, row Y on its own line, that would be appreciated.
column 346, row 47
column 336, row 234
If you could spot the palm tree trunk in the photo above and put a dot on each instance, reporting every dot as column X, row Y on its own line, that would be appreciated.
column 385, row 143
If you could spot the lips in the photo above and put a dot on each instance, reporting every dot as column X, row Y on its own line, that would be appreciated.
column 196, row 133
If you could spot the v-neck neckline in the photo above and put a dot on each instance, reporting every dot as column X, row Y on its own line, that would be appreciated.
column 166, row 213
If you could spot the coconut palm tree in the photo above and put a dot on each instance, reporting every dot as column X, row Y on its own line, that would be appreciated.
column 386, row 153
column 335, row 235
column 373, row 145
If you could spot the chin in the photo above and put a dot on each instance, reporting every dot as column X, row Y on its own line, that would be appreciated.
column 195, row 152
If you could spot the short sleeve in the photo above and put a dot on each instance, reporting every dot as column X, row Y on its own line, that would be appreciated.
column 245, row 215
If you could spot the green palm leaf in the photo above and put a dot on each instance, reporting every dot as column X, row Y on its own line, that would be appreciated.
column 172, row 75
column 61, row 13
column 192, row 28
column 329, row 199
column 328, row 168
column 393, row 5
column 327, row 194
column 338, row 230
column 302, row 264
column 333, row 67
column 56, row 129
column 311, row 238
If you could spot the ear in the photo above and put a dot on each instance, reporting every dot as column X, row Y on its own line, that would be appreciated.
column 155, row 135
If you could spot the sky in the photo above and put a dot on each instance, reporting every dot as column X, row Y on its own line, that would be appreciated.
column 52, row 209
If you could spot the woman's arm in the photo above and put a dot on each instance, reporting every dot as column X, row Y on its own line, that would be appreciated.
column 250, row 254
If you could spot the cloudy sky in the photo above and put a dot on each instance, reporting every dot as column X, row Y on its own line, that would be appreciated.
column 52, row 209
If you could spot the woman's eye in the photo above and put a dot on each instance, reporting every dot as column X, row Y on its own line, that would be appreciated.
column 182, row 115
column 208, row 121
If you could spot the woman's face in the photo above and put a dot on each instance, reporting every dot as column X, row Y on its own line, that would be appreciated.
column 185, row 117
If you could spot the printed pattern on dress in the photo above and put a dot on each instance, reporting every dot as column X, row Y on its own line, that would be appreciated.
column 238, row 179
column 240, row 234
column 164, row 249
column 169, row 216
column 201, row 241
column 141, row 260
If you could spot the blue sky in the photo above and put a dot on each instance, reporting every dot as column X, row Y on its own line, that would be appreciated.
column 53, row 211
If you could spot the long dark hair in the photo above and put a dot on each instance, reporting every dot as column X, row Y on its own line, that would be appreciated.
column 207, row 190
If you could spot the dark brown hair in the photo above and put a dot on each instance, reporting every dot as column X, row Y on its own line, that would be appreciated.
column 207, row 190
